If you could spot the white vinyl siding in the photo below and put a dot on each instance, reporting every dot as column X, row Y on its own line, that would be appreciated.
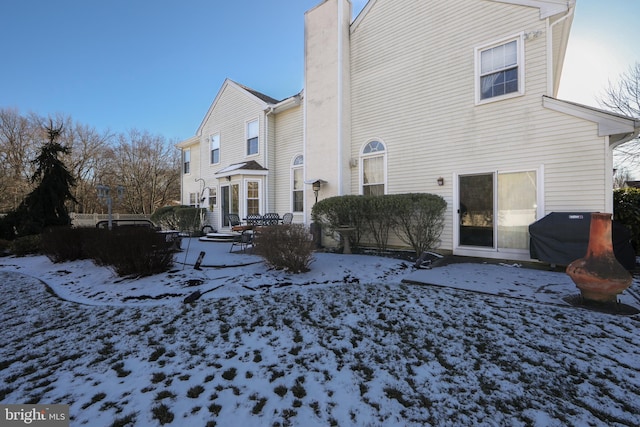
column 289, row 143
column 430, row 122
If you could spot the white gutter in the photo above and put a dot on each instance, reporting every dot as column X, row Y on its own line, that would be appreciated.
column 551, row 83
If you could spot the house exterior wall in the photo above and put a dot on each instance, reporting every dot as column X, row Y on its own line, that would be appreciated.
column 406, row 74
column 228, row 116
column 289, row 138
column 413, row 88
column 327, row 97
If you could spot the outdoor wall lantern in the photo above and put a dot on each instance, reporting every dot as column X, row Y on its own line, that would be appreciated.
column 441, row 181
column 315, row 186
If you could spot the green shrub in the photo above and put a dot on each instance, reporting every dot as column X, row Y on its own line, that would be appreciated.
column 25, row 245
column 287, row 247
column 379, row 218
column 334, row 212
column 4, row 246
column 61, row 244
column 138, row 251
column 417, row 219
column 131, row 251
column 183, row 218
column 626, row 210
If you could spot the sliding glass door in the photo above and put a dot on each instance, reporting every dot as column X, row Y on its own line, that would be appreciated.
column 476, row 210
column 496, row 209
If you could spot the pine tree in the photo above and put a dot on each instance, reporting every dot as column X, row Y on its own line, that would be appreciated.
column 45, row 205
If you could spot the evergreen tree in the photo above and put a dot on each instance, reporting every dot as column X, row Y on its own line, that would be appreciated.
column 45, row 205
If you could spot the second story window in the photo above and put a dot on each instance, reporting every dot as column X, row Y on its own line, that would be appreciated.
column 186, row 161
column 252, row 138
column 499, row 70
column 215, row 149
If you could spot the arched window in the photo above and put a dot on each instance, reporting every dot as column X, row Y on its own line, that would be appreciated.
column 297, row 184
column 373, row 169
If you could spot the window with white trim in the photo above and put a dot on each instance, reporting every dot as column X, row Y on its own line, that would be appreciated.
column 500, row 70
column 186, row 161
column 215, row 148
column 373, row 169
column 252, row 137
column 213, row 198
column 193, row 200
column 253, row 197
column 297, row 184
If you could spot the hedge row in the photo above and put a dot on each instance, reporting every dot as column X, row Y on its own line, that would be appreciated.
column 626, row 210
column 129, row 251
column 417, row 219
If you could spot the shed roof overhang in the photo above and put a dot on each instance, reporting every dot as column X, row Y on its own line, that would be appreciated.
column 618, row 128
column 244, row 168
column 187, row 143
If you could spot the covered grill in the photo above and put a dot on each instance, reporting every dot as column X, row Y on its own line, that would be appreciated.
column 562, row 237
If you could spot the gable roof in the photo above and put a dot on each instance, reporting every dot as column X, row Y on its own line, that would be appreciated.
column 259, row 95
column 261, row 100
column 547, row 7
column 618, row 128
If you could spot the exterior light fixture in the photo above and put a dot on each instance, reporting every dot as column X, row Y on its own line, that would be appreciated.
column 315, row 186
column 441, row 181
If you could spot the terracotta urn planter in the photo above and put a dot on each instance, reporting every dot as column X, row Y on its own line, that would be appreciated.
column 599, row 275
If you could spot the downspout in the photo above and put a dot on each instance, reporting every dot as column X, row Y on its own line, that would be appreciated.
column 340, row 98
column 181, row 176
column 550, row 65
column 269, row 111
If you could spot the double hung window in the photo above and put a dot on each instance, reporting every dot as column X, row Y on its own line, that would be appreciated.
column 252, row 137
column 215, row 148
column 500, row 70
column 186, row 161
column 253, row 198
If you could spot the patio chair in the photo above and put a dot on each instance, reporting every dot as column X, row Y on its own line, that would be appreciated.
column 271, row 219
column 234, row 222
column 254, row 219
column 287, row 218
column 244, row 240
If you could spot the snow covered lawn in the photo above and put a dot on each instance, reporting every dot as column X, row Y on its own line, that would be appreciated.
column 346, row 344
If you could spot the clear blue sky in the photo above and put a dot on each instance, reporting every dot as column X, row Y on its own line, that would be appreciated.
column 157, row 65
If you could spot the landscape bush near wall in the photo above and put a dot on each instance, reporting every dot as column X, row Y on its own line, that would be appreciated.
column 138, row 251
column 416, row 219
column 626, row 210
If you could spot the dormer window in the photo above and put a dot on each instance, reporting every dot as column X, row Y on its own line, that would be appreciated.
column 500, row 71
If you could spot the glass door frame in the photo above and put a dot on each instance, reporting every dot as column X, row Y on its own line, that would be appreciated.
column 495, row 251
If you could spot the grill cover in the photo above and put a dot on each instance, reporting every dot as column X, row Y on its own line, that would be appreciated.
column 562, row 237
